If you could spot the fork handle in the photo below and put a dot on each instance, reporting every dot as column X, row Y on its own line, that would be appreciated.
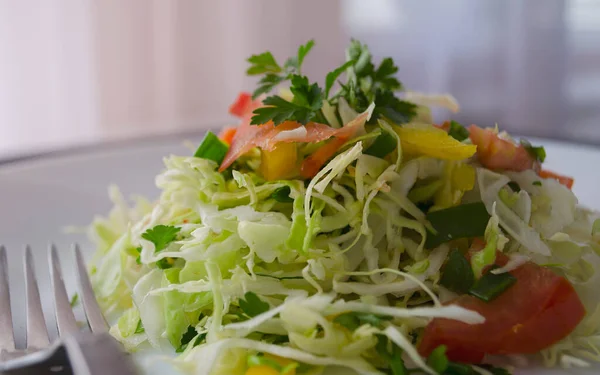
column 53, row 362
column 97, row 354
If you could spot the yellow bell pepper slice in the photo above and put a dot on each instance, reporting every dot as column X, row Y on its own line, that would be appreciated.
column 268, row 370
column 261, row 370
column 279, row 163
column 457, row 179
column 427, row 140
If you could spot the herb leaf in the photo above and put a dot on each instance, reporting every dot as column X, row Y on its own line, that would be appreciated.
column 437, row 360
column 307, row 103
column 161, row 236
column 296, row 62
column 165, row 263
column 457, row 131
column 187, row 338
column 393, row 356
column 463, row 221
column 334, row 74
column 305, row 94
column 353, row 320
column 457, row 274
column 389, row 106
column 263, row 63
column 280, row 110
column 140, row 327
column 274, row 74
column 537, row 152
column 252, row 306
column 282, row 195
column 74, row 300
column 383, row 145
column 267, row 83
column 384, row 75
column 491, row 285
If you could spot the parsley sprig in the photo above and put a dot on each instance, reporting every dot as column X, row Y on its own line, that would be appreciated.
column 161, row 236
column 273, row 73
column 365, row 83
column 304, row 107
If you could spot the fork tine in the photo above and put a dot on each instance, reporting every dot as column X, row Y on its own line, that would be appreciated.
column 7, row 338
column 37, row 333
column 65, row 320
column 86, row 293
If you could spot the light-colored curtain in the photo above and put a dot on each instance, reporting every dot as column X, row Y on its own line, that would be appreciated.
column 75, row 71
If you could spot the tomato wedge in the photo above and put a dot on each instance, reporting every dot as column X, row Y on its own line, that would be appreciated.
column 244, row 105
column 227, row 134
column 567, row 181
column 540, row 309
column 266, row 136
column 496, row 153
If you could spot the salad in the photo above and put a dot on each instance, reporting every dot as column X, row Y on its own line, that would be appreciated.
column 338, row 226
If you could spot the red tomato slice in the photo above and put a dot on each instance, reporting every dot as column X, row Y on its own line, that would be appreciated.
column 243, row 105
column 540, row 309
column 313, row 163
column 444, row 126
column 265, row 136
column 496, row 153
column 567, row 181
column 227, row 134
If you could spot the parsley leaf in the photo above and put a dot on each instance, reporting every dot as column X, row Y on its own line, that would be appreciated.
column 305, row 94
column 74, row 300
column 140, row 327
column 384, row 75
column 252, row 306
column 279, row 110
column 537, row 152
column 359, row 53
column 334, row 74
column 267, row 83
column 437, row 360
column 457, row 131
column 389, row 106
column 165, row 263
column 392, row 356
column 295, row 63
column 187, row 338
column 274, row 74
column 353, row 320
column 263, row 63
column 161, row 236
column 457, row 274
column 367, row 84
column 282, row 195
column 305, row 106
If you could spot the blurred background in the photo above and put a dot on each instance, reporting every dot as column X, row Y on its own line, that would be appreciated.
column 75, row 72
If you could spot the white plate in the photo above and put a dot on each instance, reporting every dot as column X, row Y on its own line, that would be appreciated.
column 40, row 196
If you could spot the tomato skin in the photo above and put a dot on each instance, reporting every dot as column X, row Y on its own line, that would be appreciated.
column 313, row 163
column 565, row 180
column 496, row 153
column 242, row 104
column 265, row 137
column 540, row 309
column 227, row 134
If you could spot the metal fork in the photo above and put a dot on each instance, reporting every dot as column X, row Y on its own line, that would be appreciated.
column 75, row 352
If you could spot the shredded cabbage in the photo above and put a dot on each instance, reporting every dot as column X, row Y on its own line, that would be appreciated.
column 251, row 271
